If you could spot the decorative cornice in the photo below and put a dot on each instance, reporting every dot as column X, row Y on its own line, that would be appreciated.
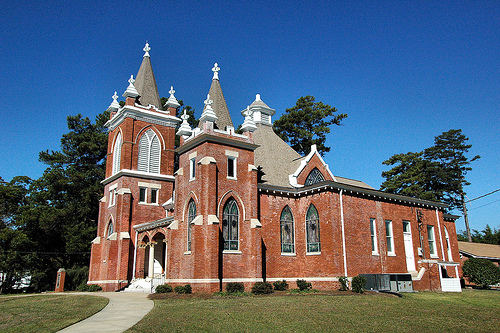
column 154, row 224
column 348, row 189
column 133, row 112
column 138, row 174
column 202, row 138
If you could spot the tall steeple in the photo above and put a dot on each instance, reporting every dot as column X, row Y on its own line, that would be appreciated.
column 218, row 104
column 145, row 82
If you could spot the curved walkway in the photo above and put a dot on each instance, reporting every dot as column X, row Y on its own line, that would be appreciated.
column 123, row 311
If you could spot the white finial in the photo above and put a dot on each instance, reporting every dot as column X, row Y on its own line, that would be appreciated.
column 131, row 91
column 216, row 70
column 257, row 97
column 184, row 129
column 248, row 125
column 114, row 106
column 208, row 102
column 172, row 101
column 146, row 49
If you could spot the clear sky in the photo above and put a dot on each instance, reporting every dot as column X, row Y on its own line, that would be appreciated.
column 403, row 71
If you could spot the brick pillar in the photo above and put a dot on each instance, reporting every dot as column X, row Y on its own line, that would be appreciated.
column 61, row 277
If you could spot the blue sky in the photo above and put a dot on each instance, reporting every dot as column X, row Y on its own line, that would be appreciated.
column 403, row 71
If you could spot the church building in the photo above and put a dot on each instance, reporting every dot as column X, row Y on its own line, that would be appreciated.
column 247, row 207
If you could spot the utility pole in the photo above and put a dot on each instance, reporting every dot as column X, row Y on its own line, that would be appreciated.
column 469, row 238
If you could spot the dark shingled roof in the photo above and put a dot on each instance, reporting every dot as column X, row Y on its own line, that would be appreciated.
column 219, row 105
column 145, row 84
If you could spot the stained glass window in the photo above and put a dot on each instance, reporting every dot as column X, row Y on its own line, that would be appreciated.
column 312, row 227
column 287, row 232
column 191, row 216
column 230, row 221
column 315, row 176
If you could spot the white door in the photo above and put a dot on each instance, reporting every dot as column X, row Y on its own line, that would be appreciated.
column 410, row 257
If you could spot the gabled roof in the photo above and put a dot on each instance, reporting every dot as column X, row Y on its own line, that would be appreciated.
column 479, row 250
column 219, row 103
column 145, row 83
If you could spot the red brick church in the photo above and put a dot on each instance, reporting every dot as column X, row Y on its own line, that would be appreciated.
column 247, row 207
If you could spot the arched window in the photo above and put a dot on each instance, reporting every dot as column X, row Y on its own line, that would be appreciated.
column 191, row 216
column 230, row 221
column 315, row 176
column 149, row 152
column 287, row 233
column 312, row 229
column 447, row 236
column 110, row 229
column 117, row 152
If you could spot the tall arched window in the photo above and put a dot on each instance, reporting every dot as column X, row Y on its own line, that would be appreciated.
column 287, row 233
column 448, row 246
column 110, row 229
column 312, row 229
column 149, row 152
column 117, row 152
column 230, row 221
column 191, row 216
column 315, row 176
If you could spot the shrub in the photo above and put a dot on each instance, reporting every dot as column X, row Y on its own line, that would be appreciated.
column 75, row 277
column 280, row 285
column 343, row 283
column 235, row 287
column 164, row 288
column 304, row 285
column 481, row 272
column 358, row 283
column 260, row 288
column 89, row 287
column 183, row 289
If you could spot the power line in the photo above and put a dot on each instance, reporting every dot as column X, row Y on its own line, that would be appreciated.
column 489, row 203
column 482, row 196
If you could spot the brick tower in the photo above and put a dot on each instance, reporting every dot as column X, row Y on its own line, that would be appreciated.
column 139, row 178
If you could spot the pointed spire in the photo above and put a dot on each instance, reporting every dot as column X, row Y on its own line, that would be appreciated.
column 146, row 83
column 219, row 102
column 172, row 101
column 185, row 129
column 131, row 90
column 208, row 113
column 114, row 106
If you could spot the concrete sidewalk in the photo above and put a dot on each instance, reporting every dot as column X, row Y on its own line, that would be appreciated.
column 123, row 311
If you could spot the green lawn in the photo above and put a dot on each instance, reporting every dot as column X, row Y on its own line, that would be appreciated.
column 469, row 311
column 46, row 313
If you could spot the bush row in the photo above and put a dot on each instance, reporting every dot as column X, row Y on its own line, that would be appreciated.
column 260, row 288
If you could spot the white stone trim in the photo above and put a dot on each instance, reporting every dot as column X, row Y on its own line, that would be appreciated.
column 212, row 219
column 314, row 151
column 193, row 155
column 139, row 113
column 96, row 240
column 198, row 220
column 140, row 174
column 207, row 160
column 149, row 185
column 107, row 281
column 124, row 235
column 232, row 153
column 255, row 223
column 123, row 191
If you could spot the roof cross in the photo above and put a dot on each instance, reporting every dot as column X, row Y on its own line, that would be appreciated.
column 216, row 70
column 146, row 49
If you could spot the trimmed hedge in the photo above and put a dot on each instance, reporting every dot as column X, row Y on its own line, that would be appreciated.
column 261, row 288
column 163, row 289
column 280, row 285
column 235, row 287
column 304, row 285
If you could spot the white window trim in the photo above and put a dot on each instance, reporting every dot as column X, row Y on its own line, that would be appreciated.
column 192, row 168
column 373, row 224
column 156, row 197
column 391, row 238
column 448, row 244
column 433, row 240
column 290, row 254
column 145, row 202
column 233, row 160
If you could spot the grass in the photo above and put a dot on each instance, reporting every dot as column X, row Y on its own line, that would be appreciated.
column 46, row 313
column 471, row 311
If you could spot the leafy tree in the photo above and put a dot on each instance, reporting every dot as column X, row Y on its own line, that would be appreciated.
column 481, row 272
column 306, row 124
column 437, row 173
column 487, row 236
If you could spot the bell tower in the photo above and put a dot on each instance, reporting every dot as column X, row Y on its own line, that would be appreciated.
column 139, row 180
